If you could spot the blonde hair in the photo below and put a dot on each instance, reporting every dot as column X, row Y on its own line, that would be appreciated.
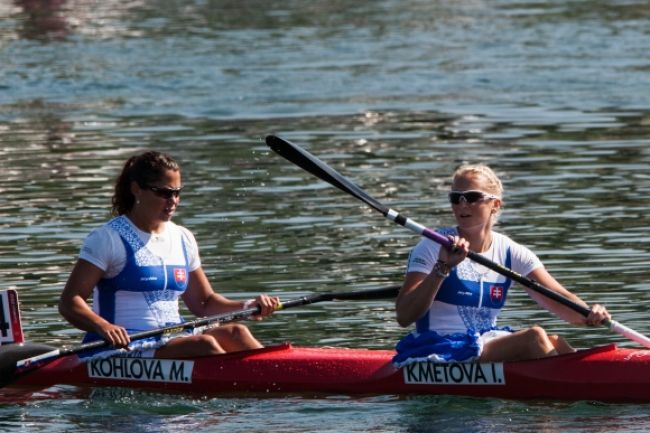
column 493, row 184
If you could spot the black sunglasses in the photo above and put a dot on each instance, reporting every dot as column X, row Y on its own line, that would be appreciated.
column 165, row 192
column 471, row 196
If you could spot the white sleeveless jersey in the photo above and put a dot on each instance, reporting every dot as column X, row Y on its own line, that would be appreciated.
column 473, row 295
column 144, row 273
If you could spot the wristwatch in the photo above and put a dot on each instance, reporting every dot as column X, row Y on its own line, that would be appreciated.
column 441, row 269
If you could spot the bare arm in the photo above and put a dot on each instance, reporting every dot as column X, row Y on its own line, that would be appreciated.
column 74, row 307
column 597, row 315
column 203, row 301
column 420, row 289
column 416, row 296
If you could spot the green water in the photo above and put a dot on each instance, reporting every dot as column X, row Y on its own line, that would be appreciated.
column 394, row 95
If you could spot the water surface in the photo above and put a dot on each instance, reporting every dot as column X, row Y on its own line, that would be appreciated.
column 394, row 94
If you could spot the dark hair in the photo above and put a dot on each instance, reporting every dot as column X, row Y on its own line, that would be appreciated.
column 145, row 169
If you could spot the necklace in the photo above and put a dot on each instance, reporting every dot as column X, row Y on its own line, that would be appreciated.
column 478, row 267
column 472, row 271
column 158, row 237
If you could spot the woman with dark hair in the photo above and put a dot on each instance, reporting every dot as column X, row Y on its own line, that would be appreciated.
column 138, row 264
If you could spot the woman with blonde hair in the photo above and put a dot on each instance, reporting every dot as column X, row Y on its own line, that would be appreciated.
column 455, row 302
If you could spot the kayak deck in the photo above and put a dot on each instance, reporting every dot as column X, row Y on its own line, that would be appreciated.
column 606, row 373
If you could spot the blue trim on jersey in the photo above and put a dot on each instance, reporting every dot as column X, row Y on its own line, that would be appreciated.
column 473, row 306
column 143, row 272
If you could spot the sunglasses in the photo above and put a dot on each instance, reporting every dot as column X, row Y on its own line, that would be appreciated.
column 165, row 192
column 471, row 196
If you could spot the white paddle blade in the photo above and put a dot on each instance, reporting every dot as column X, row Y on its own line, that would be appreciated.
column 11, row 330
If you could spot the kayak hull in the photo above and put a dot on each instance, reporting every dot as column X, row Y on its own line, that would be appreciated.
column 605, row 373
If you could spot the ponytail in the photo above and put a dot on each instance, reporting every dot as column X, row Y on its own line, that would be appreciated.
column 145, row 169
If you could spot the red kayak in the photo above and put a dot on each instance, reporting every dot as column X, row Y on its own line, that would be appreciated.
column 605, row 373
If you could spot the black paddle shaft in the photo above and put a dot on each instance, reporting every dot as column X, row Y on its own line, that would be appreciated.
column 18, row 359
column 320, row 169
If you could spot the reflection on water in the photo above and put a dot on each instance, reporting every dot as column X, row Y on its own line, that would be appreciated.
column 434, row 414
column 63, row 20
column 84, row 410
column 263, row 224
column 394, row 94
column 234, row 60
